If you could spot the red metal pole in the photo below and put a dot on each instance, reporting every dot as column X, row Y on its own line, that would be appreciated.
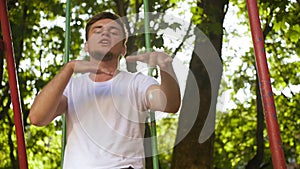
column 278, row 159
column 13, row 84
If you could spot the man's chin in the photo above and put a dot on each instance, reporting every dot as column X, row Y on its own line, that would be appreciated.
column 100, row 56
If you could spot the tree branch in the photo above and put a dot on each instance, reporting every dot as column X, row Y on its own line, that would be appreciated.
column 183, row 40
column 268, row 27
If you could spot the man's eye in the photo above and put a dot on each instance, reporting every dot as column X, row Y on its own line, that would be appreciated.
column 114, row 33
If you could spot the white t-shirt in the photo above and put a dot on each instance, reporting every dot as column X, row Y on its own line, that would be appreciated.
column 105, row 122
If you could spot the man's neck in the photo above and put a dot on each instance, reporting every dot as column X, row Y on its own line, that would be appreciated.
column 108, row 69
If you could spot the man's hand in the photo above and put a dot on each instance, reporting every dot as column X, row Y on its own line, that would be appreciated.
column 166, row 96
column 160, row 59
column 81, row 66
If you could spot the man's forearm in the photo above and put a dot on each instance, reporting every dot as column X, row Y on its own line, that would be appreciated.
column 170, row 87
column 46, row 104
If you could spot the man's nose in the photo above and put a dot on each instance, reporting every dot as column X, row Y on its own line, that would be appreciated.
column 105, row 32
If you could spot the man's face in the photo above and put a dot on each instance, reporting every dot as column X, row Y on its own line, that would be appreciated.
column 105, row 39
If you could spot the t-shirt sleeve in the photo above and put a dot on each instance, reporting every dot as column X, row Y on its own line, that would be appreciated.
column 141, row 84
column 67, row 89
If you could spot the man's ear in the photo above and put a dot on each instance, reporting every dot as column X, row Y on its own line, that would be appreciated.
column 86, row 47
column 124, row 50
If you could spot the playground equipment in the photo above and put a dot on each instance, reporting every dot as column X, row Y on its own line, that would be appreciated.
column 66, row 60
column 278, row 159
column 13, row 84
column 150, row 71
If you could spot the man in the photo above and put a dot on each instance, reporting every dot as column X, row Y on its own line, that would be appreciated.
column 106, row 108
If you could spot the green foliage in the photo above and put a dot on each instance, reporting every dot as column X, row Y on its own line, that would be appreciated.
column 235, row 135
column 38, row 51
column 197, row 14
column 44, row 146
column 38, row 37
column 166, row 133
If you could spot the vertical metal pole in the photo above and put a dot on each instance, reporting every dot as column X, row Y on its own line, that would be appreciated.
column 146, row 26
column 265, row 87
column 66, row 60
column 150, row 71
column 13, row 84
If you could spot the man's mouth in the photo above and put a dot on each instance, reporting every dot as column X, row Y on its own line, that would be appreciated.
column 104, row 42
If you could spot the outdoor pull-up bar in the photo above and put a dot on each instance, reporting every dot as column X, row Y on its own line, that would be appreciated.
column 13, row 84
column 261, row 63
column 278, row 159
column 66, row 60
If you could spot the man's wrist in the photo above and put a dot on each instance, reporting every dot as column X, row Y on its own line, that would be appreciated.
column 71, row 65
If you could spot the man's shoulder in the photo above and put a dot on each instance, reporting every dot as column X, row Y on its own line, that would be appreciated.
column 79, row 78
column 138, row 78
column 132, row 74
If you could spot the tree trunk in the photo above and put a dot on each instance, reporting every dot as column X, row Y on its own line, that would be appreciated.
column 192, row 151
column 189, row 153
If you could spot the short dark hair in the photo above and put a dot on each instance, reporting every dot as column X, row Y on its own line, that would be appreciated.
column 106, row 15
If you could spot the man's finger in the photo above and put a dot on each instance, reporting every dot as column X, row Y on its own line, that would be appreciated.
column 134, row 58
column 152, row 59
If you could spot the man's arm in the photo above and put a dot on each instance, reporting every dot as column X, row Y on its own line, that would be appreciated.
column 50, row 102
column 166, row 96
